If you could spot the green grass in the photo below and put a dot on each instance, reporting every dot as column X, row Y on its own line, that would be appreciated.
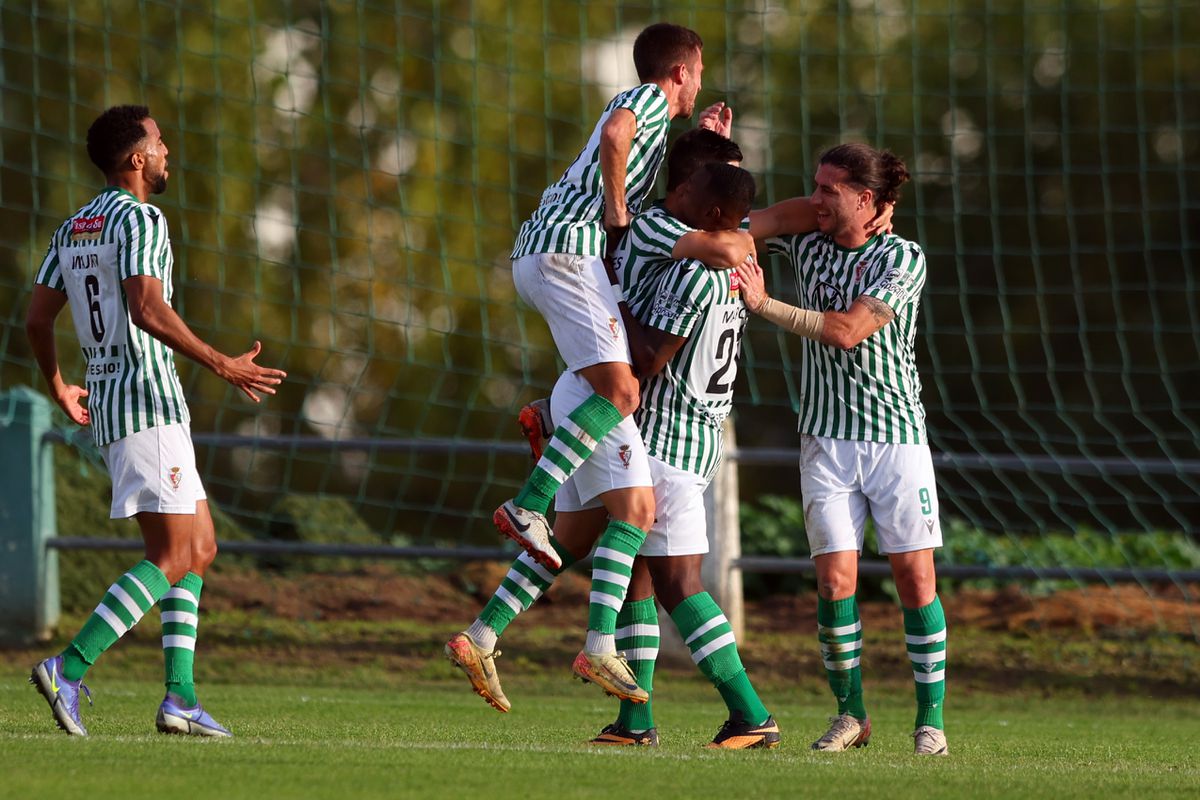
column 433, row 738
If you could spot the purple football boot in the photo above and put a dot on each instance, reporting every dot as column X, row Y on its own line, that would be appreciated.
column 174, row 716
column 61, row 694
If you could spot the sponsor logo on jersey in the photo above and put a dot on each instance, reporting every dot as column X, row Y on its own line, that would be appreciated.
column 735, row 282
column 828, row 297
column 667, row 306
column 84, row 228
column 176, row 477
column 625, row 453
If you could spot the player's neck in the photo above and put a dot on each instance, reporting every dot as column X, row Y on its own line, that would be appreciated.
column 853, row 235
column 671, row 90
column 131, row 182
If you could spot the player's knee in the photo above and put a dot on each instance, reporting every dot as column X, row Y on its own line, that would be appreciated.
column 173, row 567
column 640, row 512
column 915, row 590
column 675, row 590
column 203, row 556
column 835, row 587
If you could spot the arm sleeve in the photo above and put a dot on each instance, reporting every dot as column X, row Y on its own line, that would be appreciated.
column 902, row 277
column 141, row 239
column 681, row 298
column 50, row 272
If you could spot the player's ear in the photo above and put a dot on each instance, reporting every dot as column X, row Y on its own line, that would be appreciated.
column 866, row 199
column 136, row 160
column 679, row 73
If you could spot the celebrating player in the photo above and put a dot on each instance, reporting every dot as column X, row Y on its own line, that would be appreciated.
column 112, row 262
column 863, row 442
column 558, row 269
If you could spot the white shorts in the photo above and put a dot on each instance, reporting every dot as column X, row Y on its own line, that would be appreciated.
column 154, row 470
column 680, row 523
column 842, row 482
column 618, row 462
column 574, row 296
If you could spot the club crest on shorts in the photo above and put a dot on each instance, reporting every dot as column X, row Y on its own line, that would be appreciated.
column 175, row 475
column 614, row 326
column 625, row 453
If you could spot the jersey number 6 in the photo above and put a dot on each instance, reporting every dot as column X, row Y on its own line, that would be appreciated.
column 91, row 285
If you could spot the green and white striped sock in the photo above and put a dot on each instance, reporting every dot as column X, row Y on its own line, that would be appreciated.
column 925, row 636
column 612, row 567
column 180, row 620
column 572, row 443
column 123, row 605
column 840, row 633
column 525, row 582
column 707, row 633
column 637, row 638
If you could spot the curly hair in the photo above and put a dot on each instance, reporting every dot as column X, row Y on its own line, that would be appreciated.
column 695, row 147
column 881, row 171
column 114, row 134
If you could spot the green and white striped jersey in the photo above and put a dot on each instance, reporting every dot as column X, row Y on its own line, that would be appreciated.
column 570, row 216
column 870, row 393
column 684, row 406
column 131, row 380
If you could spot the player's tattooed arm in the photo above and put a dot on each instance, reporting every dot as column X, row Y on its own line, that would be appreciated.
column 864, row 318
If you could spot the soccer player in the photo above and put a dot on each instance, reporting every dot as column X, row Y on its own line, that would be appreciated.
column 863, row 442
column 112, row 262
column 558, row 269
column 693, row 321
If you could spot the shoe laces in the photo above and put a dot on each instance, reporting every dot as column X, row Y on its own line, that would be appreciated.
column 839, row 726
column 73, row 706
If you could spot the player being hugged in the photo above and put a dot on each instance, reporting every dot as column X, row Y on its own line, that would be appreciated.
column 112, row 262
column 862, row 429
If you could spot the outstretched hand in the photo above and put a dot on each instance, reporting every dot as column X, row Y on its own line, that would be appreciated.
column 249, row 377
column 717, row 118
column 752, row 286
column 69, row 401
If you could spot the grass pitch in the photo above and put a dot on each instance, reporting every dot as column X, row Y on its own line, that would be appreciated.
column 434, row 738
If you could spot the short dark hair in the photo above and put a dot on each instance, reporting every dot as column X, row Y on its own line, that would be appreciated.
column 696, row 147
column 881, row 171
column 731, row 187
column 113, row 135
column 660, row 47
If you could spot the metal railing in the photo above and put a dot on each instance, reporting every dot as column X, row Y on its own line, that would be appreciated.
column 750, row 456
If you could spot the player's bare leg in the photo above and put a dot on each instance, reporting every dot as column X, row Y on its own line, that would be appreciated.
column 925, row 638
column 840, row 633
column 189, row 540
column 474, row 649
column 631, row 512
column 523, row 519
column 708, row 635
column 637, row 638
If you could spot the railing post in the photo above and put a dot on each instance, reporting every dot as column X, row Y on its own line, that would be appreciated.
column 29, row 600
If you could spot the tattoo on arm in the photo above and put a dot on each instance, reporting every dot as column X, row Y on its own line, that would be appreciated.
column 882, row 312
